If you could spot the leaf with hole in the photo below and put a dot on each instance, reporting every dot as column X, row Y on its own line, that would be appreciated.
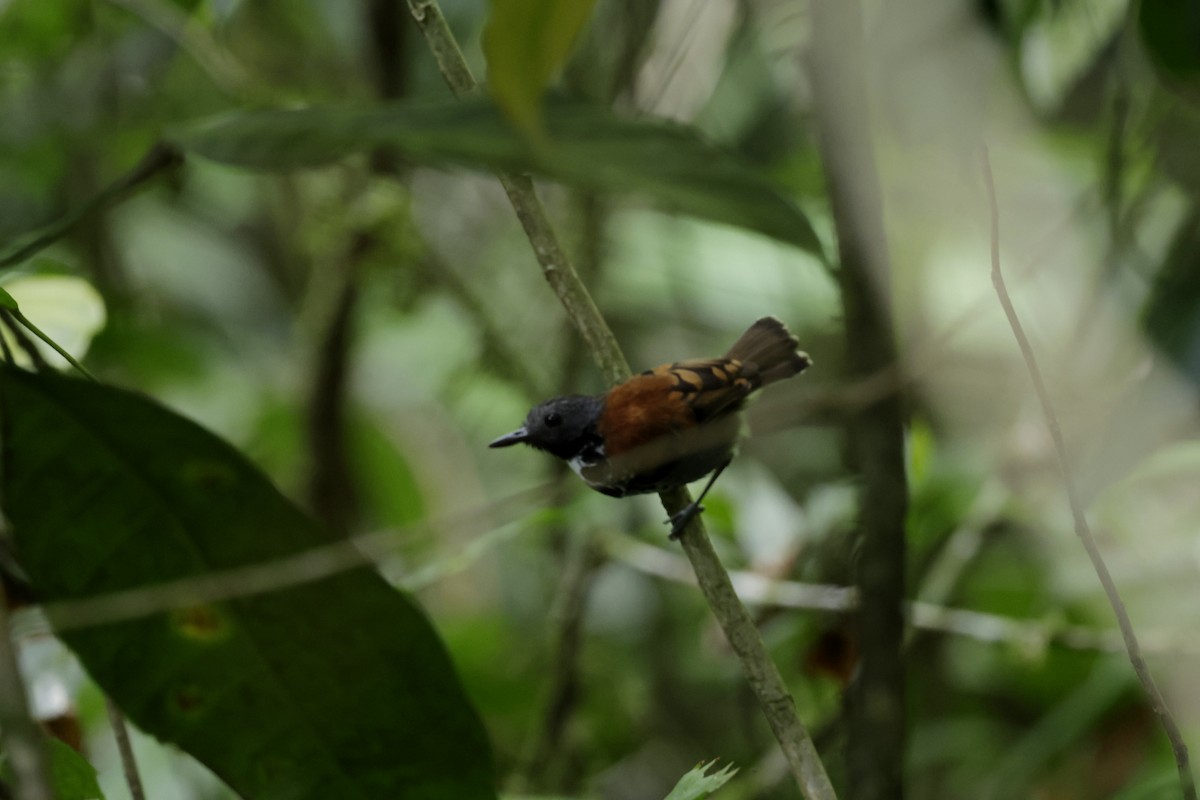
column 338, row 687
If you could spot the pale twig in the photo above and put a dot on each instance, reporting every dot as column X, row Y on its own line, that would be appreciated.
column 1027, row 635
column 279, row 573
column 761, row 673
column 754, row 589
column 1082, row 529
column 125, row 747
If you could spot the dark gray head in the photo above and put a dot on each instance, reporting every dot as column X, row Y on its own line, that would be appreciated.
column 562, row 426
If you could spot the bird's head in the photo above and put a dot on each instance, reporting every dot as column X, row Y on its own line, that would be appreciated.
column 562, row 426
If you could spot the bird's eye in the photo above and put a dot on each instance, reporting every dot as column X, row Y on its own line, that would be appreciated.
column 553, row 420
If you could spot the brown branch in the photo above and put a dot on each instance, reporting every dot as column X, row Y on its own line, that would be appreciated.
column 764, row 678
column 875, row 698
column 579, row 566
column 331, row 490
column 1082, row 528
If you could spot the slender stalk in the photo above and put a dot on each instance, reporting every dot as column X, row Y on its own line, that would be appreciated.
column 1083, row 530
column 55, row 346
column 125, row 747
column 762, row 674
column 159, row 158
column 7, row 316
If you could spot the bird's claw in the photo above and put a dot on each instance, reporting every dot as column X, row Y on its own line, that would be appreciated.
column 680, row 519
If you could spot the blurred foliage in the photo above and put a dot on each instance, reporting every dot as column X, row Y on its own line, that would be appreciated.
column 72, row 777
column 332, row 281
column 526, row 44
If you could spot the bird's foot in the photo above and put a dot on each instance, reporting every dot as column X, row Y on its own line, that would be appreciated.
column 680, row 519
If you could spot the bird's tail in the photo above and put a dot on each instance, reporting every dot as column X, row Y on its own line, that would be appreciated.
column 770, row 346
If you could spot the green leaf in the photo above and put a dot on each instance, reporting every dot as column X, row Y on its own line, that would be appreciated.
column 697, row 784
column 586, row 146
column 526, row 42
column 73, row 778
column 334, row 688
column 7, row 300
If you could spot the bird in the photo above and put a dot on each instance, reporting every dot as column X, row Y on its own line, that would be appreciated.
column 665, row 427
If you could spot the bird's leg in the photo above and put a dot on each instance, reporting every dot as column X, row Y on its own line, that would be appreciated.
column 680, row 520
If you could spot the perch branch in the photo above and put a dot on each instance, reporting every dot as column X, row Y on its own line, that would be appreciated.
column 764, row 678
column 1082, row 529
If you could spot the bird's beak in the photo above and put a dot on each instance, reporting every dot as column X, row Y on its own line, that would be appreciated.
column 509, row 439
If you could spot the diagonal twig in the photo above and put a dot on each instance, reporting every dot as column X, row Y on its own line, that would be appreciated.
column 761, row 672
column 133, row 777
column 159, row 158
column 1082, row 529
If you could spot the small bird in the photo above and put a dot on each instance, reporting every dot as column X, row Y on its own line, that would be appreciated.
column 666, row 427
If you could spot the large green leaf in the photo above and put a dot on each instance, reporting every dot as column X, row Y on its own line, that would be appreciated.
column 526, row 42
column 585, row 145
column 335, row 688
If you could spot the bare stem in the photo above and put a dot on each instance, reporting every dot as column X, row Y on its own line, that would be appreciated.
column 55, row 346
column 159, row 158
column 761, row 672
column 1082, row 529
column 128, row 763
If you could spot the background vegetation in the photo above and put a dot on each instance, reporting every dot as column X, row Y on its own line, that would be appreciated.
column 339, row 288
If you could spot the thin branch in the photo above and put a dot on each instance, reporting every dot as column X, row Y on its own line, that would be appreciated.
column 1029, row 635
column 276, row 574
column 579, row 567
column 374, row 549
column 761, row 672
column 24, row 743
column 128, row 763
column 331, row 489
column 160, row 158
column 1082, row 529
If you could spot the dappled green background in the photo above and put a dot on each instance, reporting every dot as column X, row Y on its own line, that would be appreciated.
column 220, row 290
